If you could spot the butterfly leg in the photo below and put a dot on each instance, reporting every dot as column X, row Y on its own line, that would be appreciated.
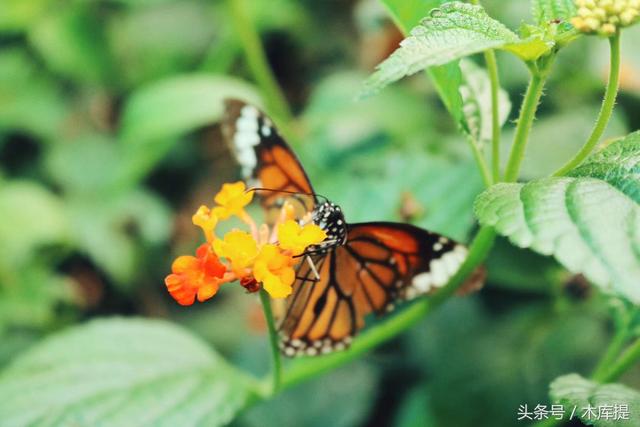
column 313, row 267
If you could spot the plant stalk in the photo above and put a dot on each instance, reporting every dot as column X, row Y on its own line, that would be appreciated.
column 492, row 69
column 525, row 121
column 606, row 109
column 480, row 162
column 276, row 370
column 603, row 375
column 629, row 358
column 257, row 61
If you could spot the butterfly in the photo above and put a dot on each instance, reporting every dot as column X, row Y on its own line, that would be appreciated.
column 359, row 269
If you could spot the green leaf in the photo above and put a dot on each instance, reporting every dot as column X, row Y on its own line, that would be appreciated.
column 176, row 105
column 30, row 101
column 31, row 217
column 162, row 38
column 446, row 78
column 476, row 97
column 575, row 391
column 119, row 372
column 618, row 165
column 72, row 43
column 32, row 295
column 453, row 31
column 84, row 165
column 112, row 231
column 545, row 11
column 158, row 113
column 590, row 220
column 17, row 15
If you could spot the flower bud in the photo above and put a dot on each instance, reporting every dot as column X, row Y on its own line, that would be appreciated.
column 605, row 17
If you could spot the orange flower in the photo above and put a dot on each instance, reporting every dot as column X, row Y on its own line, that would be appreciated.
column 205, row 219
column 293, row 237
column 195, row 276
column 232, row 199
column 239, row 248
column 273, row 269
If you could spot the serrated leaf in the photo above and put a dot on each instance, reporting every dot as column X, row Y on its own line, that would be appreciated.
column 575, row 391
column 452, row 31
column 476, row 97
column 119, row 372
column 618, row 164
column 590, row 221
column 545, row 11
column 446, row 78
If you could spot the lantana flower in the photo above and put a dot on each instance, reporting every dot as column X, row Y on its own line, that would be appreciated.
column 195, row 276
column 605, row 17
column 206, row 220
column 265, row 257
column 296, row 238
column 231, row 200
column 274, row 269
column 240, row 249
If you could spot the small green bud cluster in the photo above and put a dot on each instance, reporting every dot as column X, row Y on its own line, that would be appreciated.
column 605, row 17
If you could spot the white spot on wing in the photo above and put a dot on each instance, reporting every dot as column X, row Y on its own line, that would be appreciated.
column 422, row 282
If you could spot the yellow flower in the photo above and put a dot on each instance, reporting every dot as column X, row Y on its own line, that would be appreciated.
column 205, row 219
column 274, row 270
column 293, row 237
column 232, row 199
column 239, row 248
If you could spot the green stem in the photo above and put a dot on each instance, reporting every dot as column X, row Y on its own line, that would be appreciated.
column 481, row 162
column 257, row 61
column 492, row 69
column 606, row 109
column 629, row 358
column 302, row 370
column 612, row 352
column 276, row 383
column 525, row 121
column 603, row 375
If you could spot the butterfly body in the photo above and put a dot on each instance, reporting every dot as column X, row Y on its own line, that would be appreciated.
column 358, row 269
column 329, row 217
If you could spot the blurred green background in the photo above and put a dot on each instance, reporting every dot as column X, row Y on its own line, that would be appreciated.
column 108, row 143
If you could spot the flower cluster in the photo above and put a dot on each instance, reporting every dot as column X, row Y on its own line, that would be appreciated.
column 605, row 17
column 263, row 257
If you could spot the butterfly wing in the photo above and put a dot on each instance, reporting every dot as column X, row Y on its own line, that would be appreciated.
column 266, row 159
column 380, row 265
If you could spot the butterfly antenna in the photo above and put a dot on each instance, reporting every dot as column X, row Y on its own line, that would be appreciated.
column 287, row 192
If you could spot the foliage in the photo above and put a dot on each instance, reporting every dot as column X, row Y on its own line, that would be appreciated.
column 134, row 372
column 588, row 220
column 573, row 390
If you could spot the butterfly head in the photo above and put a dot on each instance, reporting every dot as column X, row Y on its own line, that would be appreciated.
column 330, row 218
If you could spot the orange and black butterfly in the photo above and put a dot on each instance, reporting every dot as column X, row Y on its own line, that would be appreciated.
column 359, row 269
